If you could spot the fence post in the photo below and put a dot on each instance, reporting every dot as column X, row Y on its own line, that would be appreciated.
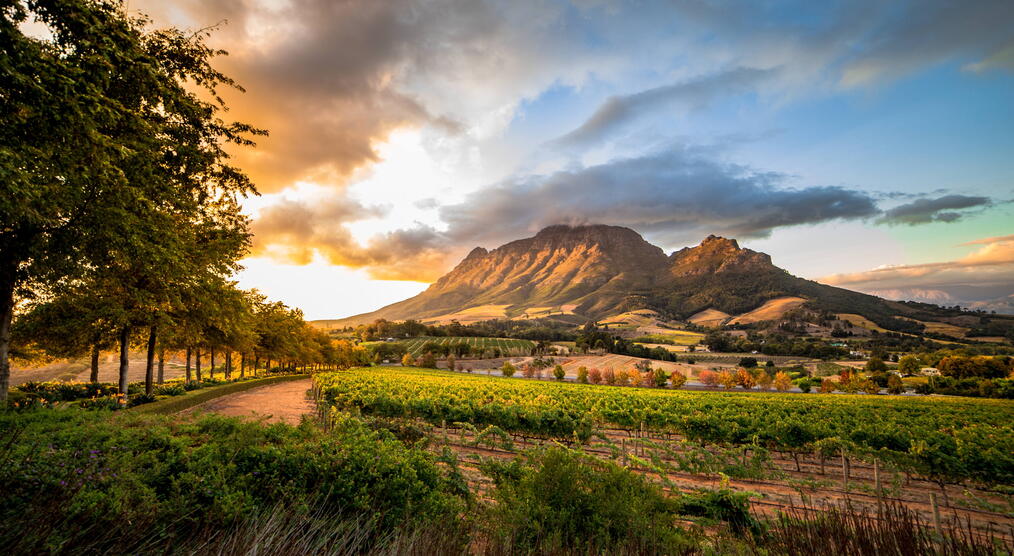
column 876, row 480
column 845, row 473
column 936, row 513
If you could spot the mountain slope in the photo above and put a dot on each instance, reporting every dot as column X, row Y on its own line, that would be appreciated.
column 597, row 271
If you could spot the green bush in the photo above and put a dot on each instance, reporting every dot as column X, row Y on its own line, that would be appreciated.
column 132, row 481
column 558, row 500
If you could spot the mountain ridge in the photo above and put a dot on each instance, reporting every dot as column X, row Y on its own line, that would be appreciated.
column 597, row 270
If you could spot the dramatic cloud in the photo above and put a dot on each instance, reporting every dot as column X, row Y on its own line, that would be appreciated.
column 940, row 209
column 296, row 232
column 676, row 196
column 993, row 263
column 619, row 111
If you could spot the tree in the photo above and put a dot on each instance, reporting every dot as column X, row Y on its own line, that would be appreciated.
column 407, row 360
column 782, row 382
column 428, row 361
column 909, row 365
column 876, row 365
column 678, row 379
column 559, row 373
column 609, row 376
column 507, row 369
column 595, row 376
column 582, row 374
column 452, row 362
column 727, row 379
column 804, row 385
column 112, row 157
column 764, row 380
column 827, row 386
column 659, row 378
column 869, row 387
column 708, row 378
column 748, row 362
column 894, row 384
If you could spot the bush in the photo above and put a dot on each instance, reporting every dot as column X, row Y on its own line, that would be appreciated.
column 559, row 373
column 582, row 375
column 126, row 485
column 659, row 378
column 595, row 376
column 805, row 385
column 558, row 501
column 748, row 362
column 507, row 370
column 678, row 379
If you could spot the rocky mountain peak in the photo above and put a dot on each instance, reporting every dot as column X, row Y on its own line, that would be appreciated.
column 717, row 254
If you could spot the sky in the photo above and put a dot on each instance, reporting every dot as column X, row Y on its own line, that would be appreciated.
column 865, row 144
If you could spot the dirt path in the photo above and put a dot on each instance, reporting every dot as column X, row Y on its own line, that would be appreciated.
column 285, row 402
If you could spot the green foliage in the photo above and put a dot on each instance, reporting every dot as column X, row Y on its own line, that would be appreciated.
column 139, row 477
column 558, row 500
column 559, row 373
column 981, row 433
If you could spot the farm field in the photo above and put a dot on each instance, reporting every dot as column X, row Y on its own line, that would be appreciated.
column 709, row 317
column 788, row 450
column 508, row 346
column 771, row 309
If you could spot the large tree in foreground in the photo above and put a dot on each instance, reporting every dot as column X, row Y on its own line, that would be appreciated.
column 108, row 152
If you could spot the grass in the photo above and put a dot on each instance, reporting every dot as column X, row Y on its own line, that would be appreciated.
column 177, row 404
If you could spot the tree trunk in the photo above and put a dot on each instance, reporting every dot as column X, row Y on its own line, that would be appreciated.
column 189, row 376
column 161, row 365
column 211, row 364
column 94, row 375
column 267, row 365
column 6, row 316
column 197, row 364
column 257, row 362
column 149, row 363
column 242, row 365
column 124, row 361
column 228, row 365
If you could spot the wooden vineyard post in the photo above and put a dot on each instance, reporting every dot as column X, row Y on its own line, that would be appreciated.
column 845, row 473
column 623, row 448
column 936, row 513
column 876, row 481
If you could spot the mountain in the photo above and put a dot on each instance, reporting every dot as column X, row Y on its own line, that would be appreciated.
column 593, row 272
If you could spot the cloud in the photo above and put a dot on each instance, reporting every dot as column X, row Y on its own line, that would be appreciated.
column 993, row 263
column 617, row 112
column 675, row 195
column 296, row 232
column 940, row 209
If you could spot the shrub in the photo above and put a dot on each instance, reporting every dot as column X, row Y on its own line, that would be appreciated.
column 407, row 360
column 561, row 501
column 609, row 376
column 595, row 376
column 582, row 375
column 507, row 369
column 827, row 386
column 659, row 378
column 452, row 363
column 559, row 373
column 527, row 371
column 622, row 378
column 428, row 361
column 129, row 484
column 764, row 380
column 727, row 380
column 745, row 379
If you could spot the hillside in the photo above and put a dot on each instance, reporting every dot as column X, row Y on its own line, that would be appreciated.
column 596, row 272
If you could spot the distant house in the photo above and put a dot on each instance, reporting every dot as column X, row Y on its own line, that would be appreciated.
column 929, row 371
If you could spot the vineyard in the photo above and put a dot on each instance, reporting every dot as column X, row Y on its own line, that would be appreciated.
column 783, row 448
column 508, row 346
column 948, row 438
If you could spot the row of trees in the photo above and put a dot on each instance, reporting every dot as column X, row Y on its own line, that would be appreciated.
column 120, row 220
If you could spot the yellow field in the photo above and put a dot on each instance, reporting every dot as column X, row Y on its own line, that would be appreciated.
column 632, row 319
column 941, row 328
column 860, row 321
column 472, row 314
column 709, row 317
column 770, row 310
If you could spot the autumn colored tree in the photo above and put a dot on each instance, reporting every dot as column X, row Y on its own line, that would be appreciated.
column 745, row 379
column 764, row 380
column 727, row 379
column 678, row 379
column 782, row 382
column 595, row 375
column 507, row 369
column 708, row 378
column 407, row 360
column 827, row 386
